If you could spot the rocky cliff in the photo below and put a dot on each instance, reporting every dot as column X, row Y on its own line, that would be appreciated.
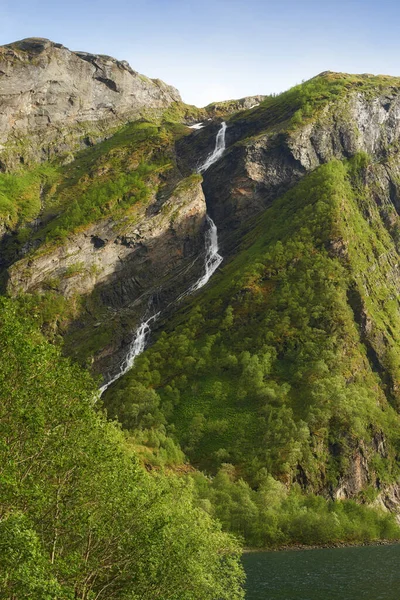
column 268, row 152
column 53, row 101
column 122, row 271
column 288, row 363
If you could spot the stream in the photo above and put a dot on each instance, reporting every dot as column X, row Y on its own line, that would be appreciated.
column 212, row 261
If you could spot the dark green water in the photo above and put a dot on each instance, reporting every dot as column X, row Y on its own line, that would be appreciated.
column 366, row 573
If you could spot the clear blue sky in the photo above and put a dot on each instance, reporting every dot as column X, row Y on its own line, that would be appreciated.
column 220, row 49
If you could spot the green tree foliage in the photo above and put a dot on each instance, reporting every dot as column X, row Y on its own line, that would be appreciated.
column 79, row 518
column 273, row 516
column 269, row 369
column 25, row 572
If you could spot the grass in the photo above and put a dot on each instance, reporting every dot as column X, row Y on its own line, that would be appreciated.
column 304, row 102
column 266, row 368
column 106, row 179
column 21, row 194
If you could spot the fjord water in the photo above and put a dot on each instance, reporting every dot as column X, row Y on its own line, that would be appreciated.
column 212, row 261
column 354, row 573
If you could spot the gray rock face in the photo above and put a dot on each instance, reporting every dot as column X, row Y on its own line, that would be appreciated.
column 152, row 261
column 259, row 166
column 51, row 99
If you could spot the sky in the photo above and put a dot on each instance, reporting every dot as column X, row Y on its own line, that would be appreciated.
column 220, row 49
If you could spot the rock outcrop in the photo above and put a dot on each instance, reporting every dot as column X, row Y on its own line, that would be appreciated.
column 218, row 109
column 128, row 268
column 261, row 164
column 52, row 100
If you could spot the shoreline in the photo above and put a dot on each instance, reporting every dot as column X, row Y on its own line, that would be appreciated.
column 328, row 545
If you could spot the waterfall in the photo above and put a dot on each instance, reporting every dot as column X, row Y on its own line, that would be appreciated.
column 218, row 150
column 136, row 347
column 212, row 262
column 213, row 259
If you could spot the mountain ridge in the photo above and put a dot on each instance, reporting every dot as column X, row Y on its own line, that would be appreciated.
column 280, row 379
column 48, row 92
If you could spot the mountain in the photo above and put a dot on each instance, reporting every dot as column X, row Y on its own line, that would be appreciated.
column 289, row 361
column 53, row 100
column 273, row 389
column 80, row 516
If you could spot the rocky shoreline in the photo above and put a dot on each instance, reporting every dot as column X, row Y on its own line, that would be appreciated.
column 330, row 545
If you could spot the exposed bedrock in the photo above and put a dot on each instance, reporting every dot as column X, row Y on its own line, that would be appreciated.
column 53, row 101
column 259, row 165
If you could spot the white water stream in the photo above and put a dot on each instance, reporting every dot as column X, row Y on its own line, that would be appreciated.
column 218, row 150
column 136, row 347
column 213, row 259
column 212, row 262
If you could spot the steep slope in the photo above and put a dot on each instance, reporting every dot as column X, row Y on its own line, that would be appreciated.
column 284, row 373
column 120, row 234
column 52, row 100
column 290, row 361
column 272, row 146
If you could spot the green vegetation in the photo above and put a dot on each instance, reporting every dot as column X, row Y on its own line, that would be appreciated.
column 179, row 112
column 224, row 108
column 79, row 518
column 110, row 178
column 21, row 194
column 269, row 370
column 107, row 179
column 272, row 516
column 304, row 102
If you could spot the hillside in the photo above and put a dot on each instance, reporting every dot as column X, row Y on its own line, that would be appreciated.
column 271, row 394
column 53, row 100
column 287, row 364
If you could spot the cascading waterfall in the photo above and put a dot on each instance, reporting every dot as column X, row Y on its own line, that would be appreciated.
column 212, row 261
column 218, row 150
column 135, row 348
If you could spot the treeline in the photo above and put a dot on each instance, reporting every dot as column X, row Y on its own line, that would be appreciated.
column 79, row 517
column 268, row 514
column 273, row 516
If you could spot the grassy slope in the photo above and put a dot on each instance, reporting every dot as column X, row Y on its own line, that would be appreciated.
column 304, row 102
column 267, row 367
column 103, row 180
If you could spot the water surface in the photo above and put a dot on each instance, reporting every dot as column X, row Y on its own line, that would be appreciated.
column 365, row 573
